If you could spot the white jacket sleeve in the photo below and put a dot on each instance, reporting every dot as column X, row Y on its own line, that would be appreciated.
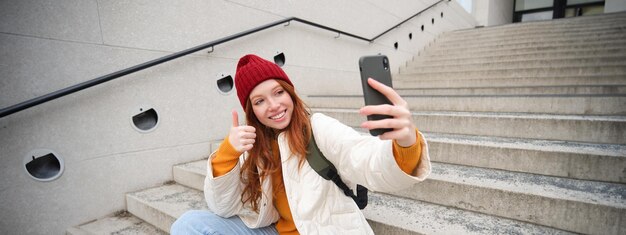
column 223, row 193
column 363, row 159
column 223, row 197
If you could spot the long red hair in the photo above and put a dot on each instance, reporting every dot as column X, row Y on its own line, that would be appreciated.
column 261, row 163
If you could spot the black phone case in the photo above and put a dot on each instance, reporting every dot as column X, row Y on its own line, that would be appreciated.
column 377, row 68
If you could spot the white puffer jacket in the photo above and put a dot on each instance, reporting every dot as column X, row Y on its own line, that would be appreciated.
column 318, row 206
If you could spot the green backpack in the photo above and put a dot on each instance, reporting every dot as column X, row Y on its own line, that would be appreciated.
column 327, row 170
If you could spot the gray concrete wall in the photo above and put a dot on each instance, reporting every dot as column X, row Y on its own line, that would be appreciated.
column 500, row 12
column 480, row 11
column 493, row 12
column 614, row 6
column 49, row 45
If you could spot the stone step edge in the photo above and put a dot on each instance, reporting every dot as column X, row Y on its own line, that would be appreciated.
column 429, row 56
column 612, row 69
column 611, row 150
column 451, row 96
column 508, row 87
column 602, row 129
column 591, row 106
column 488, row 52
column 431, row 61
column 483, row 51
column 546, row 34
column 494, row 115
column 409, row 78
column 611, row 25
column 505, row 91
column 557, row 188
column 617, row 59
column 575, row 160
column 592, row 21
column 191, row 174
column 162, row 205
column 572, row 21
column 510, row 40
column 575, row 21
column 388, row 214
column 119, row 223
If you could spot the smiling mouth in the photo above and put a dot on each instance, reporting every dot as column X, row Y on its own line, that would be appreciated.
column 279, row 116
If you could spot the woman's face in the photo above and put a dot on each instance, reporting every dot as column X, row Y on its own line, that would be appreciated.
column 271, row 104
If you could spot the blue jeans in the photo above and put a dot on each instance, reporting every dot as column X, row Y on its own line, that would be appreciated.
column 205, row 222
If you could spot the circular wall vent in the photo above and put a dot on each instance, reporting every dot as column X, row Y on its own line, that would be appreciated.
column 279, row 59
column 145, row 119
column 43, row 165
column 225, row 83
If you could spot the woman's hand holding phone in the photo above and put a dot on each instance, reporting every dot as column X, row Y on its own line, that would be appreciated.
column 401, row 122
column 242, row 138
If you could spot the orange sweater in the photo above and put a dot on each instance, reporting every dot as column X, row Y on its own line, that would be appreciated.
column 227, row 157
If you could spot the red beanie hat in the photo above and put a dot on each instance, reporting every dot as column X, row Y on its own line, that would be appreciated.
column 252, row 70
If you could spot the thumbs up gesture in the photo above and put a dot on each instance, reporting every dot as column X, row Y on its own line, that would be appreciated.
column 241, row 137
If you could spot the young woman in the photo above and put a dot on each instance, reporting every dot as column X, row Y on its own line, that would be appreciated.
column 259, row 182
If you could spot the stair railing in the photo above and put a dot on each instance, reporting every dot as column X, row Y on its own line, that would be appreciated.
column 84, row 85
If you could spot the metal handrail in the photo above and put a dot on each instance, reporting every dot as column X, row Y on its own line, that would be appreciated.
column 84, row 85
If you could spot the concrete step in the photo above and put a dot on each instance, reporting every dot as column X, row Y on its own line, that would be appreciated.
column 573, row 24
column 573, row 205
column 472, row 59
column 527, row 44
column 540, row 72
column 590, row 129
column 528, row 35
column 454, row 41
column 191, row 174
column 586, row 161
column 533, row 27
column 405, row 214
column 161, row 206
column 593, row 20
column 517, row 90
column 548, row 104
column 410, row 81
column 388, row 214
column 516, row 29
column 519, row 64
column 120, row 224
column 519, row 48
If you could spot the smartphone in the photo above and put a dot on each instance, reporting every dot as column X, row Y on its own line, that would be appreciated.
column 377, row 68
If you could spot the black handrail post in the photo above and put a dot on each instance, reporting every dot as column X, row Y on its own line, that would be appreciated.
column 404, row 21
column 84, row 85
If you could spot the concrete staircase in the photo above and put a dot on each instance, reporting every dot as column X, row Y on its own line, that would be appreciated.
column 526, row 126
column 526, row 122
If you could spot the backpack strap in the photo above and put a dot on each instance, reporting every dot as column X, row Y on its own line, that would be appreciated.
column 327, row 170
